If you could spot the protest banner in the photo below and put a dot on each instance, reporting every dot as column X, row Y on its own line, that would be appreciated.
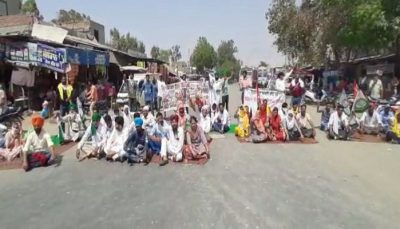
column 274, row 98
column 184, row 91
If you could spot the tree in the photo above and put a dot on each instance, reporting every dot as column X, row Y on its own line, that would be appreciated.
column 30, row 7
column 227, row 62
column 263, row 64
column 125, row 42
column 176, row 53
column 319, row 31
column 155, row 52
column 204, row 55
column 165, row 55
column 70, row 16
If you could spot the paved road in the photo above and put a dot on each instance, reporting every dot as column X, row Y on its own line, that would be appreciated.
column 327, row 185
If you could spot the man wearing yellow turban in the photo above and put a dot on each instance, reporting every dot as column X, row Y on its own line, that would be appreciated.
column 38, row 149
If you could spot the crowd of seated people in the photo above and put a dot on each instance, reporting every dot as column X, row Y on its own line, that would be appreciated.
column 276, row 124
column 178, row 138
column 380, row 122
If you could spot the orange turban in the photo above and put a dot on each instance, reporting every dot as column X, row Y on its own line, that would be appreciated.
column 37, row 120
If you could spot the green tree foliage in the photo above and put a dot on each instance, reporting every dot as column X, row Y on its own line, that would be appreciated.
column 204, row 55
column 176, row 53
column 125, row 42
column 29, row 6
column 226, row 60
column 70, row 16
column 155, row 52
column 334, row 29
column 165, row 55
column 263, row 64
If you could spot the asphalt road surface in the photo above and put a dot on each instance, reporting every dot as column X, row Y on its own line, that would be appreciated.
column 326, row 185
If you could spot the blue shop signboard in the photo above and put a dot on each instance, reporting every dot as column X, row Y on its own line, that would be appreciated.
column 77, row 56
column 51, row 58
column 98, row 58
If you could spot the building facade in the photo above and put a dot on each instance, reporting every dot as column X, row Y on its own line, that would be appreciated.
column 86, row 29
column 10, row 7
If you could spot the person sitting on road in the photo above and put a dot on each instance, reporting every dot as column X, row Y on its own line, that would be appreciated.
column 13, row 143
column 394, row 134
column 263, row 112
column 158, row 135
column 259, row 133
column 148, row 119
column 172, row 149
column 214, row 113
column 370, row 123
column 96, row 136
column 197, row 145
column 305, row 123
column 114, row 147
column 38, row 149
column 292, row 128
column 243, row 129
column 126, row 114
column 182, row 115
column 45, row 113
column 339, row 125
column 74, row 126
column 325, row 115
column 386, row 117
column 275, row 130
column 283, row 112
column 205, row 122
column 221, row 124
column 135, row 147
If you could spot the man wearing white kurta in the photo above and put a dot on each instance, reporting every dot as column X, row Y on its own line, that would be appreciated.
column 96, row 135
column 114, row 147
column 172, row 144
column 339, row 125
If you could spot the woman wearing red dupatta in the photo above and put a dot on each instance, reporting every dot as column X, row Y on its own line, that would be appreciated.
column 275, row 128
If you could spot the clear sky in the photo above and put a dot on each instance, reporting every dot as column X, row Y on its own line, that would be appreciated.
column 168, row 22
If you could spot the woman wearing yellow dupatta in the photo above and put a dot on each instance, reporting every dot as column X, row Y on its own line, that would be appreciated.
column 243, row 129
column 394, row 134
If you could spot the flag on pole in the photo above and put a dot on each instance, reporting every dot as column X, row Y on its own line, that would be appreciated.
column 355, row 88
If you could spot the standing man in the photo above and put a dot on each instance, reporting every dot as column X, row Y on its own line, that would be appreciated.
column 3, row 100
column 375, row 88
column 297, row 89
column 148, row 90
column 155, row 95
column 92, row 96
column 244, row 83
column 225, row 92
column 280, row 82
column 64, row 95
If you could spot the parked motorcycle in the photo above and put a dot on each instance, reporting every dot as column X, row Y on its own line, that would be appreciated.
column 12, row 115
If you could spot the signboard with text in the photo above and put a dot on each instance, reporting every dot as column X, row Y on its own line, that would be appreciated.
column 51, row 58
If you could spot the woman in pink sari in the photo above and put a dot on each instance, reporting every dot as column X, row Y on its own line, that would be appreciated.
column 13, row 144
column 197, row 145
